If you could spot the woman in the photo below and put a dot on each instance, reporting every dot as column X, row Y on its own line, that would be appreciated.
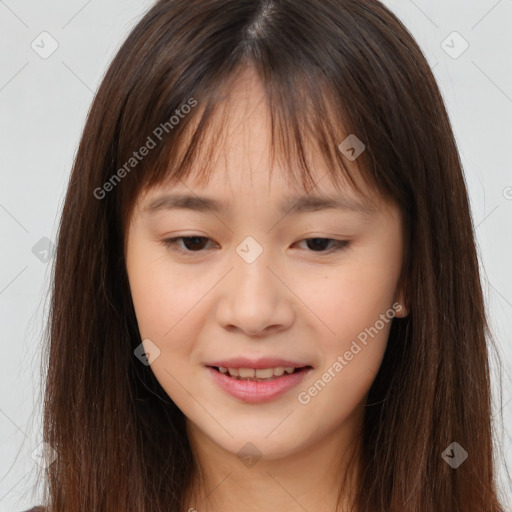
column 266, row 370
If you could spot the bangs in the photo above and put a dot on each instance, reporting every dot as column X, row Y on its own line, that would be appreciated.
column 306, row 118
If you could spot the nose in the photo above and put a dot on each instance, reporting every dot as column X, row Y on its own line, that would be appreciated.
column 255, row 299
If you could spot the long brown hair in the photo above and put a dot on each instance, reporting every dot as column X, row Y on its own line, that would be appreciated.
column 330, row 68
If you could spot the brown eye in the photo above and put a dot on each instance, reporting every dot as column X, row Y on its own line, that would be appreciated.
column 318, row 244
column 191, row 243
column 325, row 245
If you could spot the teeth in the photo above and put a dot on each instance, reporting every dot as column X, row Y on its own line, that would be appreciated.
column 245, row 372
column 264, row 373
column 260, row 373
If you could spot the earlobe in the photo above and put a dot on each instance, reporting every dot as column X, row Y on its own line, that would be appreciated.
column 401, row 310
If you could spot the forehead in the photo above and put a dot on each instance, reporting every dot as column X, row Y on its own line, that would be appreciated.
column 245, row 139
column 221, row 197
column 235, row 161
column 244, row 183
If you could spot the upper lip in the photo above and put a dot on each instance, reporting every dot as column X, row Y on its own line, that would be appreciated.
column 263, row 362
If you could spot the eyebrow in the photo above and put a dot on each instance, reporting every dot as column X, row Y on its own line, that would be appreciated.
column 292, row 204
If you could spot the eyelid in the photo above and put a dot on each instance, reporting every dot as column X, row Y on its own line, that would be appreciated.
column 172, row 244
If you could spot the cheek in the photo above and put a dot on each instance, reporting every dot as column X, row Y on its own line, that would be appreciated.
column 354, row 301
column 356, row 308
column 164, row 302
column 161, row 295
column 352, row 296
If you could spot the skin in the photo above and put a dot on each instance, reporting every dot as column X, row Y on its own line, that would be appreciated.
column 294, row 301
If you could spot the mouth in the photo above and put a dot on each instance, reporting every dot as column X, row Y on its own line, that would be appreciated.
column 260, row 374
column 257, row 385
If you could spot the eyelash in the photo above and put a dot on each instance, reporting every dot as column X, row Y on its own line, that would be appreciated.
column 172, row 243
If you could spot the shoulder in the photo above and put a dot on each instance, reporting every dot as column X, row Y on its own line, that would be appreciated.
column 36, row 509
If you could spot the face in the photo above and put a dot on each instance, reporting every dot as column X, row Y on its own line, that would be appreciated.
column 274, row 287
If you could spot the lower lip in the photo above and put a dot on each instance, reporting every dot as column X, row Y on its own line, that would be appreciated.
column 254, row 391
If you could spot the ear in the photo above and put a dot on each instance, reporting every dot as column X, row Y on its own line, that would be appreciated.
column 399, row 304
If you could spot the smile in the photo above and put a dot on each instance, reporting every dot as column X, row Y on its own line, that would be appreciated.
column 258, row 385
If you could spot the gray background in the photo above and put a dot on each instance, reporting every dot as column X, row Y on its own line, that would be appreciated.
column 43, row 105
